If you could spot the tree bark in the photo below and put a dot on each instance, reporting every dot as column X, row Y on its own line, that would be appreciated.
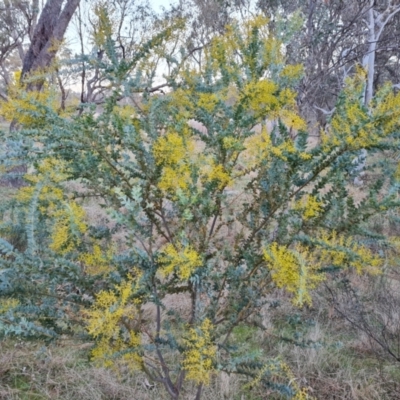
column 369, row 62
column 376, row 24
column 49, row 32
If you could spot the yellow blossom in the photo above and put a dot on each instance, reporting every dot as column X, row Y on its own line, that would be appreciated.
column 217, row 174
column 257, row 148
column 200, row 353
column 109, row 320
column 208, row 101
column 49, row 173
column 125, row 112
column 291, row 119
column 69, row 225
column 305, row 156
column 171, row 149
column 173, row 178
column 7, row 304
column 261, row 96
column 174, row 152
column 337, row 250
column 387, row 110
column 105, row 23
column 230, row 142
column 310, row 206
column 292, row 72
column 298, row 269
column 182, row 260
column 25, row 107
column 293, row 270
column 279, row 369
column 97, row 262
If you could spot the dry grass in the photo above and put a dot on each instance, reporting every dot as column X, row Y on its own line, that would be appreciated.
column 336, row 371
column 341, row 367
column 32, row 371
column 35, row 371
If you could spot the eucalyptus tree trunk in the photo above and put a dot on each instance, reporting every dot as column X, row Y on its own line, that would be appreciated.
column 369, row 58
column 47, row 37
column 376, row 23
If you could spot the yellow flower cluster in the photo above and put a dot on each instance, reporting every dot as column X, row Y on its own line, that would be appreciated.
column 200, row 353
column 48, row 193
column 69, row 225
column 358, row 127
column 175, row 177
column 261, row 96
column 21, row 104
column 49, row 172
column 290, row 118
column 343, row 252
column 275, row 369
column 177, row 155
column 97, row 262
column 223, row 50
column 293, row 270
column 183, row 261
column 208, row 101
column 297, row 269
column 292, row 72
column 68, row 216
column 51, row 168
column 216, row 173
column 265, row 100
column 272, row 50
column 171, row 148
column 174, row 152
column 104, row 24
column 125, row 112
column 259, row 148
column 181, row 100
column 259, row 22
column 309, row 205
column 388, row 111
column 230, row 142
column 107, row 318
column 343, row 129
column 7, row 304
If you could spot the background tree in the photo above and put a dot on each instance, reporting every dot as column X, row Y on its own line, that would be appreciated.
column 18, row 21
column 336, row 37
column 47, row 37
column 129, row 24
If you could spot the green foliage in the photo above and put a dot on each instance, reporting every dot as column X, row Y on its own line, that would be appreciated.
column 217, row 217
